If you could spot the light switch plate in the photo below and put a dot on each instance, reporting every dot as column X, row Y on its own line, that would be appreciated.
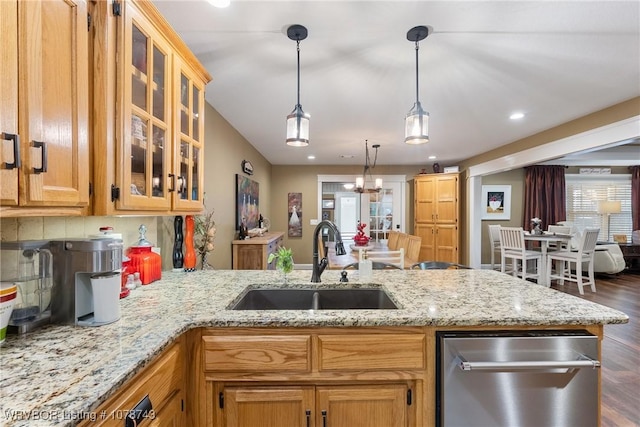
column 313, row 221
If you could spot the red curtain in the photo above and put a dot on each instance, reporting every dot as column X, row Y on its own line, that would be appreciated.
column 544, row 195
column 635, row 197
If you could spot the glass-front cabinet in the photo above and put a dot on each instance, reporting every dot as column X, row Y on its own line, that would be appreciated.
column 149, row 156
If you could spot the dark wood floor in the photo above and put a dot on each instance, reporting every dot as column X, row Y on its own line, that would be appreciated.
column 620, row 348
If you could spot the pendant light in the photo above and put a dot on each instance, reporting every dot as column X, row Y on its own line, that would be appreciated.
column 368, row 165
column 416, row 130
column 298, row 120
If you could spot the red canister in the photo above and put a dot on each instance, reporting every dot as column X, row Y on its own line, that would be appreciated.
column 146, row 262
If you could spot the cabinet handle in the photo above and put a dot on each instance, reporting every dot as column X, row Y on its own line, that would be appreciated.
column 16, row 150
column 141, row 411
column 43, row 151
column 173, row 183
column 324, row 418
column 308, row 412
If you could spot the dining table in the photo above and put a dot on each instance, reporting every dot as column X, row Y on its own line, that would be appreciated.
column 545, row 238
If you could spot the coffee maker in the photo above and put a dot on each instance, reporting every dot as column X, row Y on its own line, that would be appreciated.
column 87, row 276
column 28, row 265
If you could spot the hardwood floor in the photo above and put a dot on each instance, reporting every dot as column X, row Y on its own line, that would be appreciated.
column 620, row 348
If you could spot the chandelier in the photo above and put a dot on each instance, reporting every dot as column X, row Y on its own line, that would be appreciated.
column 368, row 165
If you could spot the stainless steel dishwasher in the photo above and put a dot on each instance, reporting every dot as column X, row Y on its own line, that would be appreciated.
column 517, row 379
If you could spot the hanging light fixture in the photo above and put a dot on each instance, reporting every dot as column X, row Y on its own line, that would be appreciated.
column 298, row 120
column 361, row 181
column 416, row 125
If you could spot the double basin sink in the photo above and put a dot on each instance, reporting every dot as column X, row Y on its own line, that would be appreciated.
column 315, row 299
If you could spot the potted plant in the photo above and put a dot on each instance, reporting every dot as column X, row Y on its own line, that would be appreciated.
column 284, row 260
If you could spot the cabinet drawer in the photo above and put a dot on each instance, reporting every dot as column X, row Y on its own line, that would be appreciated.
column 371, row 351
column 257, row 353
column 162, row 381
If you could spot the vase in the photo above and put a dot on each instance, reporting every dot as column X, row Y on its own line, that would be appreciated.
column 204, row 264
column 189, row 248
column 178, row 257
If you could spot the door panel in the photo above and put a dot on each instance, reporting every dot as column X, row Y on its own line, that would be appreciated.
column 268, row 407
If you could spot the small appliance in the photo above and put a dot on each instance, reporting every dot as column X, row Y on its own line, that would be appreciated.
column 28, row 265
column 87, row 275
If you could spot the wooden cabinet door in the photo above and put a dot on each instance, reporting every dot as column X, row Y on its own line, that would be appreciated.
column 189, row 137
column 171, row 414
column 9, row 104
column 447, row 199
column 145, row 114
column 428, row 244
column 362, row 406
column 269, row 407
column 425, row 199
column 53, row 107
column 446, row 243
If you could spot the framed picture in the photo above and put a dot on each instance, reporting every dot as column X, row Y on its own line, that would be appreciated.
column 247, row 202
column 328, row 203
column 295, row 214
column 496, row 202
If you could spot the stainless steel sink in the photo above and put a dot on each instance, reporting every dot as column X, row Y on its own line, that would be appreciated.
column 315, row 299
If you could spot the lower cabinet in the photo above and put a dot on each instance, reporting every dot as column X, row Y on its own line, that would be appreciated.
column 155, row 396
column 382, row 405
column 253, row 254
column 313, row 377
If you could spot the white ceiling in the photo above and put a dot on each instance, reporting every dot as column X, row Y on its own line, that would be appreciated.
column 553, row 60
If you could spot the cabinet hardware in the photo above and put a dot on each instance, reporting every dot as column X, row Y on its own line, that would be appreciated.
column 409, row 397
column 141, row 411
column 324, row 418
column 181, row 405
column 117, row 11
column 221, row 400
column 16, row 150
column 90, row 189
column 308, row 413
column 43, row 153
column 173, row 183
column 115, row 193
column 88, row 22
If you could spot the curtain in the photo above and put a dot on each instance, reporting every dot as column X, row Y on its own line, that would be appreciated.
column 544, row 195
column 635, row 197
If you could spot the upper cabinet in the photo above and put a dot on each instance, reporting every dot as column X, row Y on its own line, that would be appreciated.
column 44, row 159
column 149, row 113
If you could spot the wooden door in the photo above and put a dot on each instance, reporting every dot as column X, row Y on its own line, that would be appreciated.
column 53, row 108
column 9, row 104
column 362, row 406
column 144, row 111
column 447, row 199
column 428, row 243
column 425, row 199
column 446, row 243
column 171, row 414
column 269, row 407
column 188, row 154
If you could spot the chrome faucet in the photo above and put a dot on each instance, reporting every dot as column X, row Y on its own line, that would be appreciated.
column 320, row 265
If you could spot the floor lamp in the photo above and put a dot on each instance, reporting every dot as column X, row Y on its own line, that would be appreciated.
column 608, row 207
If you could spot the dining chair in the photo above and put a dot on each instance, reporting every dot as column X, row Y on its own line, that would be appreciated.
column 512, row 246
column 388, row 257
column 412, row 249
column 585, row 253
column 402, row 241
column 494, row 240
column 438, row 265
column 558, row 229
column 392, row 243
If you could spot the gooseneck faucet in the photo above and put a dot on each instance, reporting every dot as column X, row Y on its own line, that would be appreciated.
column 320, row 265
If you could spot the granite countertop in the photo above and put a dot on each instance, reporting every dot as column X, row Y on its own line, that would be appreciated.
column 60, row 373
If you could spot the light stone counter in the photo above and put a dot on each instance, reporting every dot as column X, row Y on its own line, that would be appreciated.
column 59, row 373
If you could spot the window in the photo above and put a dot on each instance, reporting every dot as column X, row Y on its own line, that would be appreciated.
column 584, row 192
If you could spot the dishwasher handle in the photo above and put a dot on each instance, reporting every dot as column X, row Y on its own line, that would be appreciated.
column 582, row 362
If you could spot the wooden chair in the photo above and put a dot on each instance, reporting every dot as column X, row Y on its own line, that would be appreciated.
column 585, row 253
column 392, row 243
column 412, row 249
column 494, row 240
column 387, row 257
column 402, row 241
column 512, row 245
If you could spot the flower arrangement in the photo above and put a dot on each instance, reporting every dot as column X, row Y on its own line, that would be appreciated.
column 536, row 225
column 205, row 234
column 360, row 238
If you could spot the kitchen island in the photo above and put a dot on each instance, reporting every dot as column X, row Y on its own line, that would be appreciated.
column 58, row 374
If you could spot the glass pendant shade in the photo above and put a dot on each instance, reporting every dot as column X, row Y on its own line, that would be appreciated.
column 298, row 127
column 359, row 183
column 416, row 123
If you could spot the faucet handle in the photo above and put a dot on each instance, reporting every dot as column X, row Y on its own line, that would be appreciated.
column 343, row 277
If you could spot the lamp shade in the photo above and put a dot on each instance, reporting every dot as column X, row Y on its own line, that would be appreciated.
column 607, row 207
column 416, row 129
column 298, row 128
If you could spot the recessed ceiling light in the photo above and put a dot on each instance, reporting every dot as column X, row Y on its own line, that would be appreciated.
column 220, row 3
column 432, row 157
column 311, row 157
column 516, row 116
column 347, row 156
